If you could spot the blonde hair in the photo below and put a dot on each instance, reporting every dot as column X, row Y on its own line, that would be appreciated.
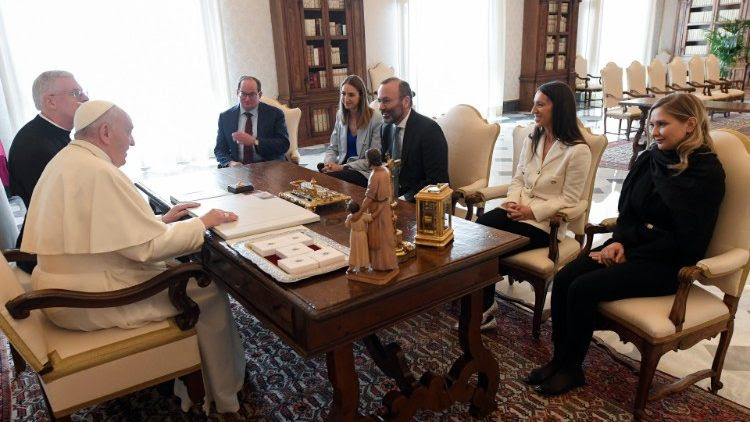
column 364, row 110
column 682, row 107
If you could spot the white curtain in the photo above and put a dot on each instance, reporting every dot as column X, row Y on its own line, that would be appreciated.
column 616, row 31
column 161, row 61
column 452, row 54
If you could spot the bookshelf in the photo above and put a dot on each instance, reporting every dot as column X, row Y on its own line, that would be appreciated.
column 549, row 45
column 317, row 44
column 698, row 16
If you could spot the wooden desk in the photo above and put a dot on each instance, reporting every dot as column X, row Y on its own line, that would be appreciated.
column 644, row 104
column 328, row 313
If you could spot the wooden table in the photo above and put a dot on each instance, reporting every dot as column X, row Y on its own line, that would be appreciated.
column 644, row 104
column 326, row 314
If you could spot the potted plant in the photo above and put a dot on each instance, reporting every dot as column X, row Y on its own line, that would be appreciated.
column 727, row 42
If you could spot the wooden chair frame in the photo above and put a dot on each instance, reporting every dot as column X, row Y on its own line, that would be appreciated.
column 174, row 279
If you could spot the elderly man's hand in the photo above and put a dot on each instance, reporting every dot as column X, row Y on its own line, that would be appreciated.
column 244, row 138
column 215, row 217
column 178, row 211
column 612, row 254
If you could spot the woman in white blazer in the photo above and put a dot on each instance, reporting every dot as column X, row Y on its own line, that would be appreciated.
column 550, row 176
column 357, row 129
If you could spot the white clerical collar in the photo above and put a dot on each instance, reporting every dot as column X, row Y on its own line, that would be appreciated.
column 402, row 125
column 51, row 122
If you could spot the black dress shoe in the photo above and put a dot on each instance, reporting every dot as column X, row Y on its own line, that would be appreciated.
column 539, row 375
column 562, row 382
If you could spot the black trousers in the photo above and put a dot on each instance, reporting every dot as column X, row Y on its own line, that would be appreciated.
column 351, row 176
column 498, row 219
column 581, row 285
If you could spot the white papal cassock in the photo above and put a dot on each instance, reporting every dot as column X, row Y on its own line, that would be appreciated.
column 92, row 231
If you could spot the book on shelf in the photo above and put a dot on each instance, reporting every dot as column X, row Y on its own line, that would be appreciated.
column 339, row 75
column 562, row 45
column 561, row 62
column 564, row 8
column 551, row 23
column 335, row 55
column 311, row 4
column 320, row 120
column 549, row 63
column 550, row 44
column 335, row 4
column 563, row 24
column 313, row 27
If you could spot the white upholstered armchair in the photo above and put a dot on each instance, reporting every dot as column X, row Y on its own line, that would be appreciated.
column 471, row 141
column 81, row 368
column 539, row 266
column 292, row 117
column 657, row 325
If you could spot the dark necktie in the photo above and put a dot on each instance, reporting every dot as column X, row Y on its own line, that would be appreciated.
column 396, row 150
column 247, row 150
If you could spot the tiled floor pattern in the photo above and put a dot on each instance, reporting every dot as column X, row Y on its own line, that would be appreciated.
column 606, row 195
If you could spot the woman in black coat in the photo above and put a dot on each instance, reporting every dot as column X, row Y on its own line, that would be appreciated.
column 667, row 211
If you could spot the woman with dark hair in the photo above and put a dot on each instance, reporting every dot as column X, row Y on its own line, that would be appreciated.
column 550, row 176
column 668, row 208
column 357, row 129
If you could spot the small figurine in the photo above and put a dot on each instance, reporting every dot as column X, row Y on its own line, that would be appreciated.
column 381, row 237
column 359, row 258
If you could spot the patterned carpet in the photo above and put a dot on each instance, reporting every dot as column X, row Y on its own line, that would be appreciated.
column 284, row 386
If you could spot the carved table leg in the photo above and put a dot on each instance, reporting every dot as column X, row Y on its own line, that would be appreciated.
column 476, row 358
column 438, row 392
column 345, row 384
column 637, row 147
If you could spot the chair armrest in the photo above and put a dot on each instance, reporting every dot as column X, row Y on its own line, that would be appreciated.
column 492, row 192
column 606, row 226
column 658, row 91
column 15, row 255
column 635, row 94
column 175, row 279
column 726, row 263
column 471, row 188
column 569, row 213
column 681, row 88
column 705, row 269
column 594, row 77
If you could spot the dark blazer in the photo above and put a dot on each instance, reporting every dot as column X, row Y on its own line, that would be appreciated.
column 424, row 154
column 273, row 138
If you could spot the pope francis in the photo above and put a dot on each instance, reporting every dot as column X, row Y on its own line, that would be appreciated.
column 93, row 231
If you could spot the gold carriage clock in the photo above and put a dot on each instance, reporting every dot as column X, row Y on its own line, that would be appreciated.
column 434, row 215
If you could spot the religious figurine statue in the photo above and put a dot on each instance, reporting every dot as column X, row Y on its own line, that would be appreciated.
column 381, row 237
column 359, row 255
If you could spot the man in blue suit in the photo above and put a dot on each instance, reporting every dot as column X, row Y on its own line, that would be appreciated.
column 250, row 131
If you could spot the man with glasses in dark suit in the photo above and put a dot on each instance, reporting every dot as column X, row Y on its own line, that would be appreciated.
column 250, row 131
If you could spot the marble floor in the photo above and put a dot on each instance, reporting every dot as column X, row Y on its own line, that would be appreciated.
column 605, row 198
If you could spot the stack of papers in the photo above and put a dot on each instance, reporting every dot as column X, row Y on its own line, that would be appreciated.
column 255, row 214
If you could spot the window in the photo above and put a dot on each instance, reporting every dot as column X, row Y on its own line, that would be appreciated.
column 149, row 57
column 451, row 54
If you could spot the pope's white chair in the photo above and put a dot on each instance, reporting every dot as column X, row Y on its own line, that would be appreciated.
column 292, row 117
column 471, row 141
column 658, row 325
column 78, row 369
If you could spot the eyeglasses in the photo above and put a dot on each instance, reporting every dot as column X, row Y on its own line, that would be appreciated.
column 243, row 94
column 77, row 93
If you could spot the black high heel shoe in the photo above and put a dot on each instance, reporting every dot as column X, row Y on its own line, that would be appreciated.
column 541, row 374
column 563, row 381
